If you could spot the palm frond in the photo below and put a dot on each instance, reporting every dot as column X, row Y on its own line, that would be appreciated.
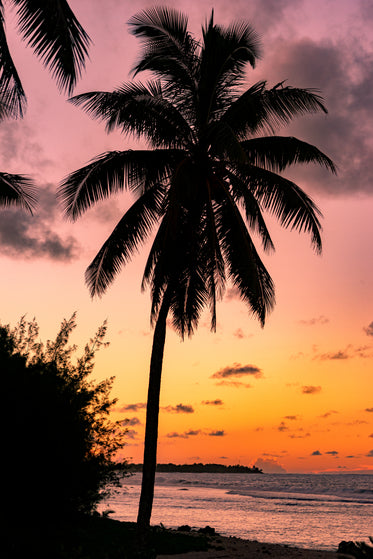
column 238, row 44
column 213, row 259
column 198, row 270
column 174, row 254
column 131, row 232
column 261, row 109
column 282, row 104
column 138, row 109
column 190, row 296
column 225, row 53
column 156, row 272
column 278, row 152
column 111, row 172
column 56, row 36
column 242, row 194
column 169, row 50
column 163, row 32
column 17, row 190
column 224, row 143
column 12, row 95
column 246, row 270
column 246, row 113
column 286, row 201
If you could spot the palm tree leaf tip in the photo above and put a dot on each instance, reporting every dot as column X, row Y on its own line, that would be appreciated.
column 12, row 95
column 17, row 190
column 56, row 36
column 129, row 234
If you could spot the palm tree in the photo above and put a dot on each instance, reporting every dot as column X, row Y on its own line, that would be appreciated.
column 62, row 44
column 202, row 185
column 56, row 37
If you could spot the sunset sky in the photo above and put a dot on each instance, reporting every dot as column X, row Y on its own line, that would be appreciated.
column 295, row 396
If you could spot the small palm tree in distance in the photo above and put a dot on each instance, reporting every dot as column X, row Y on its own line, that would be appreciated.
column 201, row 187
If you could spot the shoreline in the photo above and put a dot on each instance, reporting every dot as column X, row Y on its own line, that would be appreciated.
column 227, row 547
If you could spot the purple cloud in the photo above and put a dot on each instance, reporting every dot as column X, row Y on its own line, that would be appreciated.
column 175, row 435
column 327, row 414
column 233, row 383
column 239, row 334
column 179, row 408
column 336, row 356
column 131, row 407
column 185, row 435
column 131, row 421
column 313, row 321
column 216, row 402
column 310, row 389
column 131, row 434
column 282, row 427
column 238, row 370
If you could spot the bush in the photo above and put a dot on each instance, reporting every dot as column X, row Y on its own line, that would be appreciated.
column 360, row 550
column 58, row 442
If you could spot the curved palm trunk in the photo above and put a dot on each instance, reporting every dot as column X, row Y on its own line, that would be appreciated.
column 152, row 413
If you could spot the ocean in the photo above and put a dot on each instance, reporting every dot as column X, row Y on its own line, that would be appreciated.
column 303, row 510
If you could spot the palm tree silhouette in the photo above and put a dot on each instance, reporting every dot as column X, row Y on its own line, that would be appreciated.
column 202, row 184
column 59, row 40
column 17, row 190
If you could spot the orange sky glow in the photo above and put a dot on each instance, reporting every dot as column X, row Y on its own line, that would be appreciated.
column 295, row 396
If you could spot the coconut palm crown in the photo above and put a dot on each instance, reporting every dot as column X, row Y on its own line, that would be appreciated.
column 202, row 186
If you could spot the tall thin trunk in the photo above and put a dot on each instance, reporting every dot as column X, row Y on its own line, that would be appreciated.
column 152, row 413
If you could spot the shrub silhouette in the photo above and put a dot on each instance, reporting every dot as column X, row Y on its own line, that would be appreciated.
column 59, row 444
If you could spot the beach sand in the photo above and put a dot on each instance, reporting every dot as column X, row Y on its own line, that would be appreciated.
column 236, row 548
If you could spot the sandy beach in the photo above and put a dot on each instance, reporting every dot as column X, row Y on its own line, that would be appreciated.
column 236, row 548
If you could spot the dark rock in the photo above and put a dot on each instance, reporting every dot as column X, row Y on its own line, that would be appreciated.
column 207, row 530
column 184, row 528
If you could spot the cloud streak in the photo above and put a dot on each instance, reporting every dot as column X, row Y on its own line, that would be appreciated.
column 131, row 421
column 328, row 414
column 179, row 408
column 314, row 321
column 33, row 236
column 131, row 407
column 194, row 433
column 233, row 384
column 363, row 352
column 310, row 389
column 237, row 370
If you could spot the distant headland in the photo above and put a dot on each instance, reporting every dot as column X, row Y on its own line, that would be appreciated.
column 200, row 468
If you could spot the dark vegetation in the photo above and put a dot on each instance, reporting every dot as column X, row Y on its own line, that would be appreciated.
column 200, row 468
column 99, row 537
column 58, row 455
column 58, row 443
column 360, row 550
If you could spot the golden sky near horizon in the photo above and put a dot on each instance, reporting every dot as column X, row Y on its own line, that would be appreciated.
column 296, row 395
